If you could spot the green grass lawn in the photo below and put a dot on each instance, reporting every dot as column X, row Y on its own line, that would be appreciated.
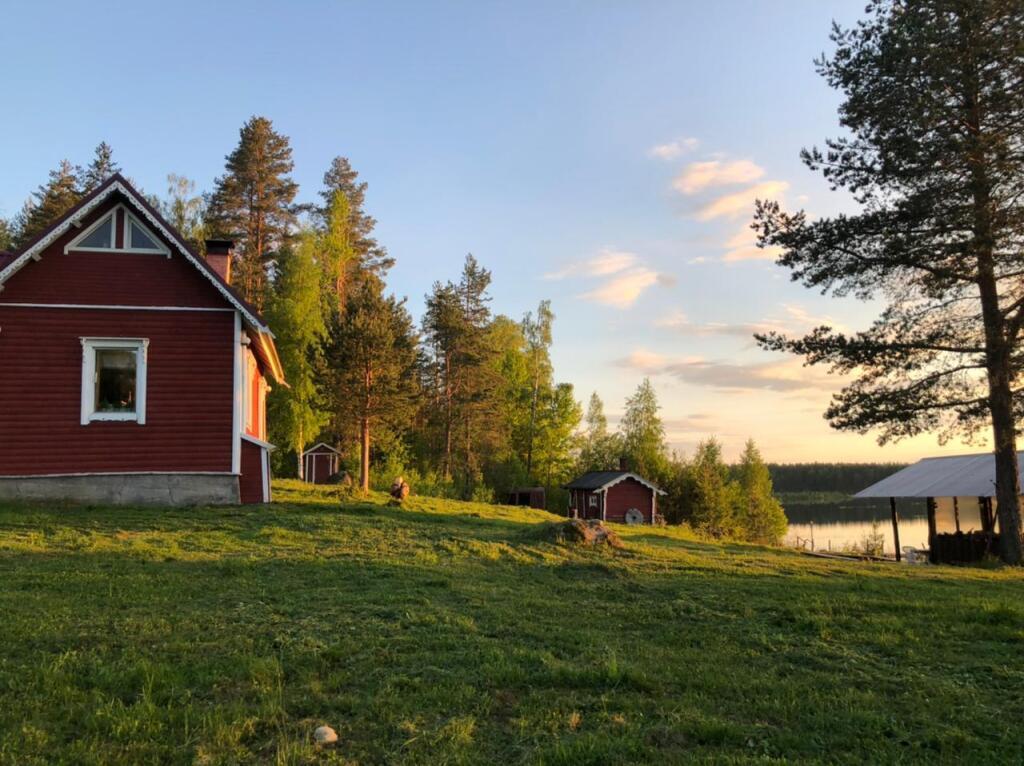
column 448, row 633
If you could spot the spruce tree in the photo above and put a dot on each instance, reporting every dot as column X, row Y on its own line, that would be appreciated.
column 99, row 170
column 711, row 502
column 377, row 357
column 643, row 433
column 761, row 518
column 934, row 107
column 6, row 235
column 295, row 313
column 252, row 203
column 49, row 202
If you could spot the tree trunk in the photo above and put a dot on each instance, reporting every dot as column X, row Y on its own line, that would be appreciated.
column 364, row 455
column 298, row 456
column 997, row 346
column 533, row 420
column 1011, row 549
column 447, row 469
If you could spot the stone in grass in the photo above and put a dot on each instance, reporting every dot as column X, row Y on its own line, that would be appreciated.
column 325, row 736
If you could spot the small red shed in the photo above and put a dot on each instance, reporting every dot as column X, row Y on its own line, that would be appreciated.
column 319, row 463
column 619, row 496
column 130, row 370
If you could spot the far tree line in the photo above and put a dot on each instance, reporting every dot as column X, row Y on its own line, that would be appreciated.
column 463, row 404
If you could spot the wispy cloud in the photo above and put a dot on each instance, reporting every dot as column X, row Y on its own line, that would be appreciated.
column 673, row 149
column 741, row 202
column 698, row 176
column 792, row 320
column 622, row 290
column 742, row 246
column 787, row 376
column 608, row 261
column 626, row 277
column 679, row 322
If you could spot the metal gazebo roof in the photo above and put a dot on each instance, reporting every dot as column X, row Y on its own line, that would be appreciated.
column 959, row 476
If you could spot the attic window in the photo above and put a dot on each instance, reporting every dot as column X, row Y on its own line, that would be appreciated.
column 139, row 238
column 135, row 237
column 99, row 237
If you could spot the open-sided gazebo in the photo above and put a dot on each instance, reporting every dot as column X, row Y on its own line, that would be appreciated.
column 959, row 493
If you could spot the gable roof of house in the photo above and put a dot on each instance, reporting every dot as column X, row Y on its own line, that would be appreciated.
column 317, row 446
column 955, row 476
column 117, row 184
column 596, row 481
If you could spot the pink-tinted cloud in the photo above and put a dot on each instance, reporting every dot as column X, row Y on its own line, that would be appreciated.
column 699, row 176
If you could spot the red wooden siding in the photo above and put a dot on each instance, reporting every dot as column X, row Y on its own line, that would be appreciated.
column 320, row 466
column 114, row 279
column 628, row 493
column 251, row 487
column 189, row 385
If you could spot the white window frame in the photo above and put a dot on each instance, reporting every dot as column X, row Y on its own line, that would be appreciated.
column 110, row 220
column 90, row 346
column 592, row 500
column 126, row 232
column 130, row 219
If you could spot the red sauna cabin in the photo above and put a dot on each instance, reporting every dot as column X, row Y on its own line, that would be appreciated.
column 619, row 496
column 319, row 463
column 130, row 370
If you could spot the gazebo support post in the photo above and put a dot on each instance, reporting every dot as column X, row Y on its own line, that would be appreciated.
column 895, row 527
column 933, row 554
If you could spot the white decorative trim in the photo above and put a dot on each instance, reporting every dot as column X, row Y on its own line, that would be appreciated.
column 613, row 482
column 259, row 442
column 90, row 346
column 321, row 444
column 114, row 473
column 108, row 307
column 237, row 398
column 116, row 186
column 265, row 467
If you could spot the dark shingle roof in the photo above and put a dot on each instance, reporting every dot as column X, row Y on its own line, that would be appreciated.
column 600, row 479
column 595, row 479
column 5, row 259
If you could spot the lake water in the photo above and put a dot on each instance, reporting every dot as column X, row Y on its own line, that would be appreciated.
column 846, row 524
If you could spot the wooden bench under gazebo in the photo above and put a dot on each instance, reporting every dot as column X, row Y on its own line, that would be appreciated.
column 959, row 495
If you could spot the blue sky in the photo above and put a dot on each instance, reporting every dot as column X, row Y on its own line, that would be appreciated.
column 601, row 154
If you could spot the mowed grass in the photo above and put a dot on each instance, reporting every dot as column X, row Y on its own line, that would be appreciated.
column 453, row 633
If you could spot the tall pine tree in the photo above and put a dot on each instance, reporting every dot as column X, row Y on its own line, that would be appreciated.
column 378, row 355
column 342, row 179
column 252, row 203
column 934, row 106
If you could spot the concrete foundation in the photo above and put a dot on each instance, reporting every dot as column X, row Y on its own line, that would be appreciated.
column 126, row 489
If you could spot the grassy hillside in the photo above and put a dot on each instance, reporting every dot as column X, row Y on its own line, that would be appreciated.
column 455, row 633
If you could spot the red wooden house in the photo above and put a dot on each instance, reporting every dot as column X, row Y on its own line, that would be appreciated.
column 320, row 462
column 130, row 370
column 619, row 496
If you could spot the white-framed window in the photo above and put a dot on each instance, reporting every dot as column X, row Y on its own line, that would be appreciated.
column 102, row 236
column 592, row 501
column 114, row 379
